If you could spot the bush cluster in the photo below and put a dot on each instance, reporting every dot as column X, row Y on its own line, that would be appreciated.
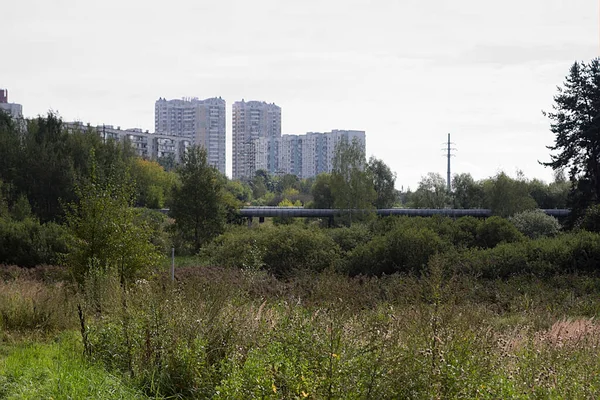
column 577, row 252
column 492, row 246
column 281, row 250
column 28, row 243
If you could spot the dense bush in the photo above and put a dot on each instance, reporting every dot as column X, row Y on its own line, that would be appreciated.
column 496, row 230
column 282, row 250
column 400, row 250
column 350, row 237
column 568, row 253
column 591, row 219
column 535, row 224
column 466, row 232
column 28, row 243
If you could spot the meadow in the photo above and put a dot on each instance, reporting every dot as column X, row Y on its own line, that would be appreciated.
column 228, row 333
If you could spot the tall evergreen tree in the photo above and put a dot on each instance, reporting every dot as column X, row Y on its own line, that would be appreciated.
column 575, row 120
column 198, row 205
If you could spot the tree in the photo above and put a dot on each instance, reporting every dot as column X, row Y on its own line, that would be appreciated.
column 467, row 193
column 154, row 185
column 106, row 237
column 321, row 191
column 198, row 205
column 351, row 186
column 575, row 120
column 431, row 193
column 384, row 181
column 506, row 196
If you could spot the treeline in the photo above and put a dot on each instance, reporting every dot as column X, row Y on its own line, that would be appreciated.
column 502, row 194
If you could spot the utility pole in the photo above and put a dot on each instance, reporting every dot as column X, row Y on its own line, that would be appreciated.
column 449, row 154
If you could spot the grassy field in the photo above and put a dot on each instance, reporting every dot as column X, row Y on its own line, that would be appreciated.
column 234, row 334
column 56, row 369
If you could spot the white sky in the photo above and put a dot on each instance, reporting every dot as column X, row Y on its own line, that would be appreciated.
column 407, row 72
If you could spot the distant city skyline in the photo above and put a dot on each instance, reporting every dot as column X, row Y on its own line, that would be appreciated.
column 408, row 73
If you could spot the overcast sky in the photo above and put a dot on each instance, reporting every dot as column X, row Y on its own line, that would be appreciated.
column 407, row 72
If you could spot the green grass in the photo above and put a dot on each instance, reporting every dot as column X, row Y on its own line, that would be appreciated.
column 56, row 370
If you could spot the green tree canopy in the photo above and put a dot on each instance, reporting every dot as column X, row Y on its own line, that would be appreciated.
column 198, row 205
column 106, row 235
column 351, row 185
column 431, row 193
column 321, row 191
column 575, row 120
column 384, row 181
column 467, row 193
column 506, row 196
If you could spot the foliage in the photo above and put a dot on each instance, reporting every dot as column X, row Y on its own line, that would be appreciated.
column 321, row 191
column 400, row 250
column 198, row 207
column 240, row 190
column 351, row 186
column 154, row 185
column 106, row 237
column 466, row 192
column 57, row 370
column 44, row 161
column 506, row 196
column 384, row 181
column 28, row 243
column 575, row 121
column 567, row 253
column 495, row 230
column 282, row 250
column 230, row 333
column 590, row 221
column 535, row 224
column 347, row 238
column 431, row 193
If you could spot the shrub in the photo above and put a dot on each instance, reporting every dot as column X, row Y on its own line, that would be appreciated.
column 535, row 224
column 591, row 219
column 569, row 253
column 466, row 231
column 401, row 250
column 281, row 250
column 347, row 238
column 495, row 230
column 28, row 243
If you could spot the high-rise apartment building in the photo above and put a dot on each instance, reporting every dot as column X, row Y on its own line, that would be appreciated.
column 203, row 121
column 253, row 120
column 13, row 109
column 313, row 153
column 289, row 154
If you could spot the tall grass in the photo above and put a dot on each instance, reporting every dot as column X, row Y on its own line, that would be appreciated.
column 56, row 370
column 238, row 334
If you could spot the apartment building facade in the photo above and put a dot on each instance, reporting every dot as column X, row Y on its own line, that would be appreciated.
column 13, row 109
column 255, row 126
column 201, row 121
column 305, row 155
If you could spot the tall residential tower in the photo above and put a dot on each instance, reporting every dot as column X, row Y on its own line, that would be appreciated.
column 254, row 120
column 13, row 109
column 203, row 121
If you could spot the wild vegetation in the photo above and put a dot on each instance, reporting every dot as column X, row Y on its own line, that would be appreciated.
column 382, row 308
